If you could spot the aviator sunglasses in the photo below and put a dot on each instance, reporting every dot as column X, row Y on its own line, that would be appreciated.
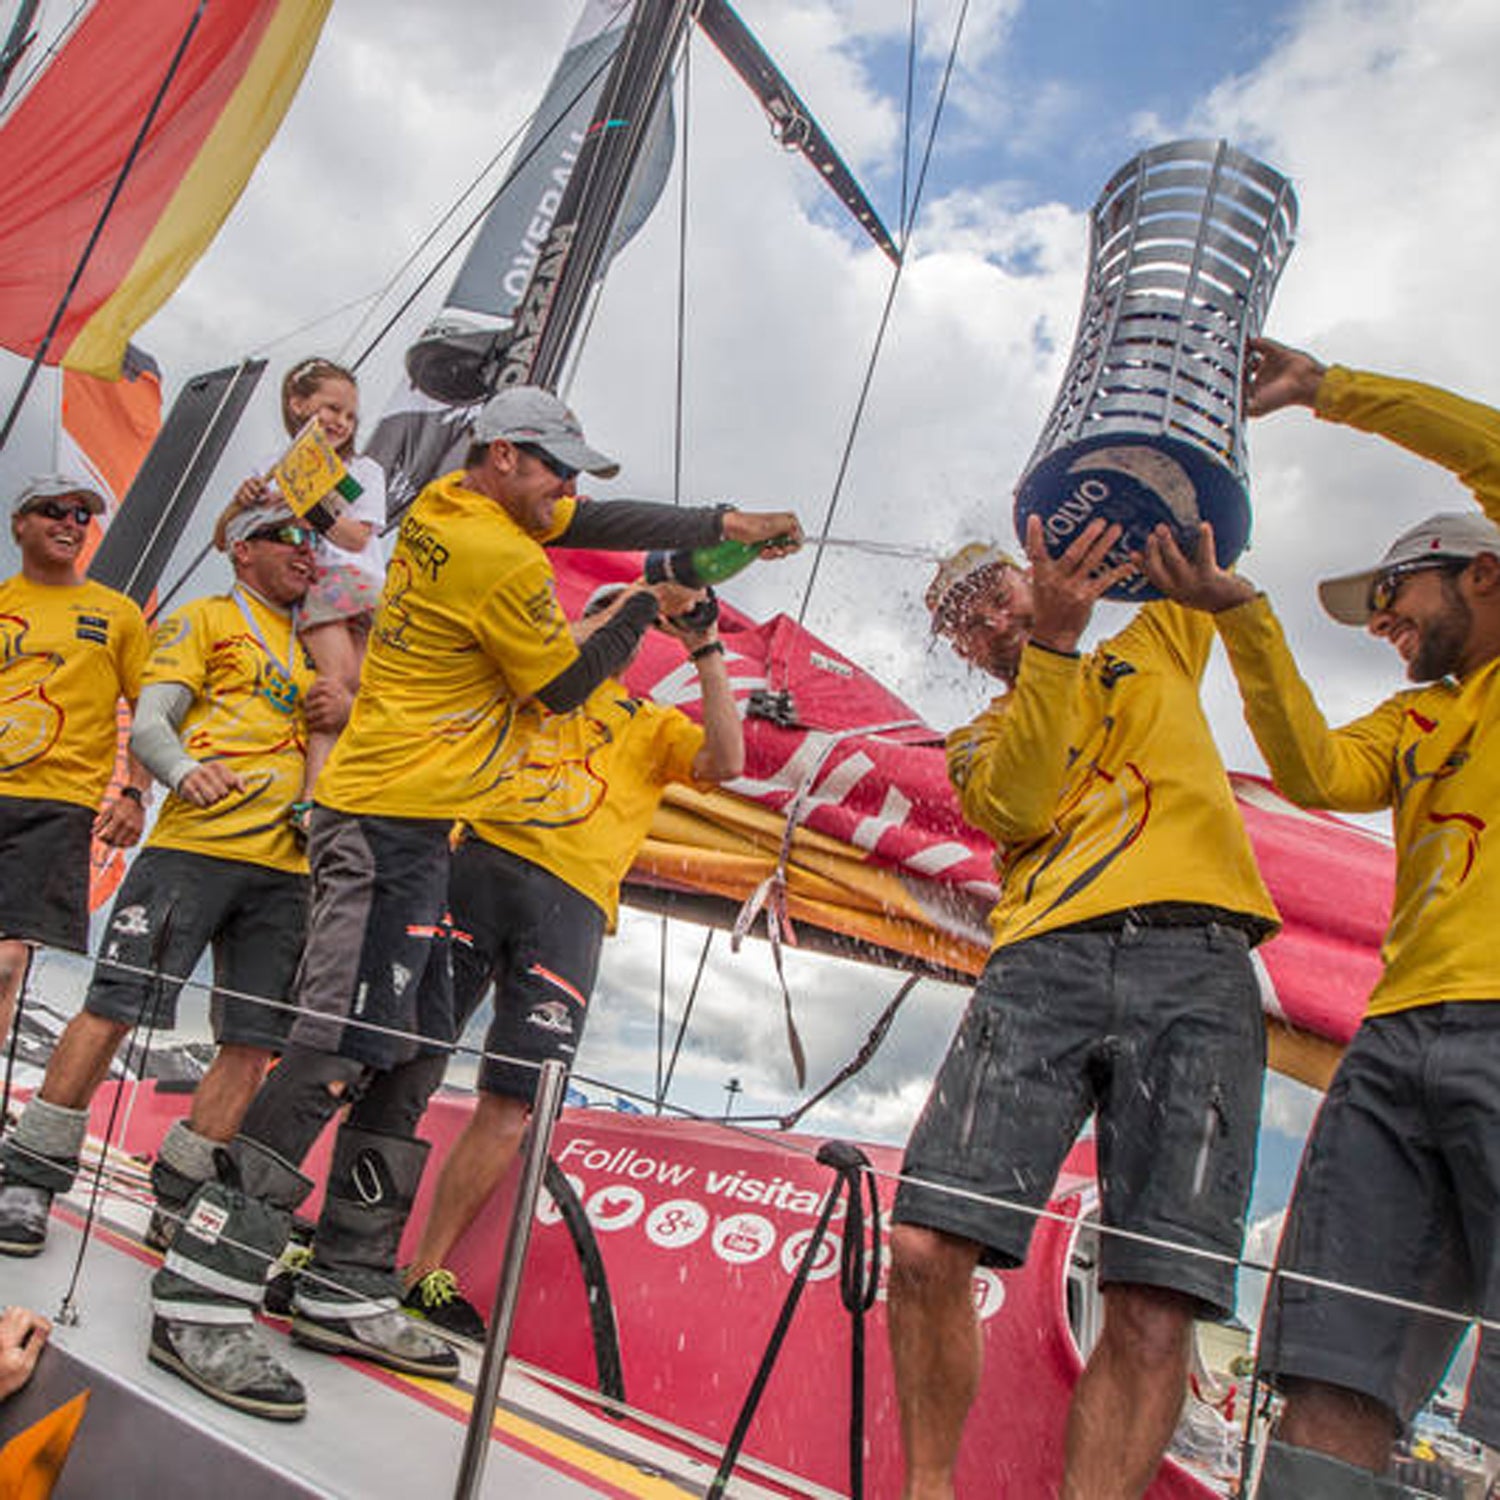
column 288, row 534
column 1386, row 584
column 56, row 510
column 554, row 466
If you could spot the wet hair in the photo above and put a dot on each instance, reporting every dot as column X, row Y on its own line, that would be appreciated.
column 301, row 382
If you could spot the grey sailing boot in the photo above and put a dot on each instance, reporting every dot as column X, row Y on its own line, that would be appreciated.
column 348, row 1300
column 205, row 1295
column 184, row 1161
column 1291, row 1473
column 38, row 1159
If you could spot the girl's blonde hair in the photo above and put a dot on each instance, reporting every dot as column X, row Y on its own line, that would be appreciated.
column 301, row 381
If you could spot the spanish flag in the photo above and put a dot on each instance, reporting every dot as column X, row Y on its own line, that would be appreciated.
column 234, row 66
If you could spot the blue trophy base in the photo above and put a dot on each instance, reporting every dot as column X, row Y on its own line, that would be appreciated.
column 1138, row 482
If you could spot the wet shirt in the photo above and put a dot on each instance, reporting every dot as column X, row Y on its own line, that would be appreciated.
column 1431, row 754
column 1098, row 778
column 67, row 657
column 248, row 673
column 583, row 787
column 468, row 628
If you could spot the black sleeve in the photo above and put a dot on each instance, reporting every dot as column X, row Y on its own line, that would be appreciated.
column 603, row 655
column 641, row 525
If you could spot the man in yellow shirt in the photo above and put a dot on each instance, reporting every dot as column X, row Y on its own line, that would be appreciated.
column 1399, row 1188
column 70, row 650
column 1119, row 985
column 222, row 723
column 535, row 888
column 467, row 634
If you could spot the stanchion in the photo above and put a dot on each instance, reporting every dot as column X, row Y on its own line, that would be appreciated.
column 549, row 1094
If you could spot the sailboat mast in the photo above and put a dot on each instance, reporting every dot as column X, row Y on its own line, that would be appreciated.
column 574, row 254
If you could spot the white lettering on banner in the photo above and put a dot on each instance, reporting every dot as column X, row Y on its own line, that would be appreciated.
column 743, row 1238
column 825, row 1264
column 936, row 858
column 518, row 273
column 624, row 1161
column 777, row 1193
column 615, row 1207
column 677, row 1223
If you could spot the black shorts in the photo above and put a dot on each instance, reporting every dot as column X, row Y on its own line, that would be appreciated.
column 539, row 940
column 169, row 908
column 1159, row 1031
column 1398, row 1193
column 375, row 977
column 44, row 872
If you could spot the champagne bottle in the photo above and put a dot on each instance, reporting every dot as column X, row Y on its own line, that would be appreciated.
column 698, row 567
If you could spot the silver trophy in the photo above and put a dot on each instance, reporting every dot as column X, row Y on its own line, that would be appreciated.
column 1186, row 244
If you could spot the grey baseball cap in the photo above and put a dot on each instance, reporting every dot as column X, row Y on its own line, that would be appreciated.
column 1450, row 534
column 57, row 487
column 528, row 414
column 238, row 525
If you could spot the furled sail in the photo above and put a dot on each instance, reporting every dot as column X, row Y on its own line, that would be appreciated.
column 233, row 66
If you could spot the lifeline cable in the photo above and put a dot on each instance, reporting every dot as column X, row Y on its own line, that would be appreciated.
column 15, row 1038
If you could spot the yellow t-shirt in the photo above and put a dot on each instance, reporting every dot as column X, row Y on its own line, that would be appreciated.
column 67, row 657
column 582, row 788
column 248, row 673
column 468, row 628
column 1425, row 752
column 1100, row 783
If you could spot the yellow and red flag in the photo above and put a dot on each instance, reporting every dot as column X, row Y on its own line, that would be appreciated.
column 64, row 144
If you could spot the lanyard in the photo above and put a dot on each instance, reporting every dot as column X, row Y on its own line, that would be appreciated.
column 285, row 668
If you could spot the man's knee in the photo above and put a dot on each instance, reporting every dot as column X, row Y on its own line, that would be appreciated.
column 928, row 1265
column 1150, row 1326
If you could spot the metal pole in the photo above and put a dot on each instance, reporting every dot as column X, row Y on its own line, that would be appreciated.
column 549, row 1093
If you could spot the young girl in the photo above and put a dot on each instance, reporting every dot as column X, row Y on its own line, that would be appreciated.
column 334, row 619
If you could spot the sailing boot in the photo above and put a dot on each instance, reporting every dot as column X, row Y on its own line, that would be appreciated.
column 205, row 1296
column 184, row 1162
column 38, row 1159
column 1302, row 1473
column 348, row 1300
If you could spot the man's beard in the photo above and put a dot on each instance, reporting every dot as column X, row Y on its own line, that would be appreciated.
column 1440, row 645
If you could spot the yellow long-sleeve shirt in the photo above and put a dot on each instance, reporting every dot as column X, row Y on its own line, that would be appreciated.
column 1100, row 783
column 1431, row 754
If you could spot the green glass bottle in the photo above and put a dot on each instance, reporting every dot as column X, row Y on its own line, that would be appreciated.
column 698, row 567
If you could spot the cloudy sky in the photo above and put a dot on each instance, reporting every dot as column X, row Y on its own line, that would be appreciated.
column 1381, row 111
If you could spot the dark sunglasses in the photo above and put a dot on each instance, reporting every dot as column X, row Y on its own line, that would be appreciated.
column 554, row 466
column 287, row 534
column 55, row 510
column 1386, row 584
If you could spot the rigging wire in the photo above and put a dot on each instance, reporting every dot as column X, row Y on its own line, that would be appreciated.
column 682, row 256
column 687, row 1014
column 40, row 61
column 885, row 316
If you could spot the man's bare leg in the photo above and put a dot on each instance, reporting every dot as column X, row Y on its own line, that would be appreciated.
column 936, row 1349
column 1344, row 1424
column 472, row 1170
column 80, row 1061
column 1130, row 1394
column 15, row 958
column 225, row 1091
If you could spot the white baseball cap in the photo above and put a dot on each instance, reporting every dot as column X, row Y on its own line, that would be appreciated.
column 528, row 414
column 1458, row 535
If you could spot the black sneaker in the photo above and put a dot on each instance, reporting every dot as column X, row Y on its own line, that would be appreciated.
column 229, row 1362
column 437, row 1300
column 24, row 1214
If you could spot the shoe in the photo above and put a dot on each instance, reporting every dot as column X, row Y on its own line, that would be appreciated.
column 24, row 1214
column 383, row 1338
column 281, row 1282
column 229, row 1362
column 161, row 1231
column 436, row 1299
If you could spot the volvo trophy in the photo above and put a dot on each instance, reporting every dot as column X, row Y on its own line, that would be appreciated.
column 1186, row 243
